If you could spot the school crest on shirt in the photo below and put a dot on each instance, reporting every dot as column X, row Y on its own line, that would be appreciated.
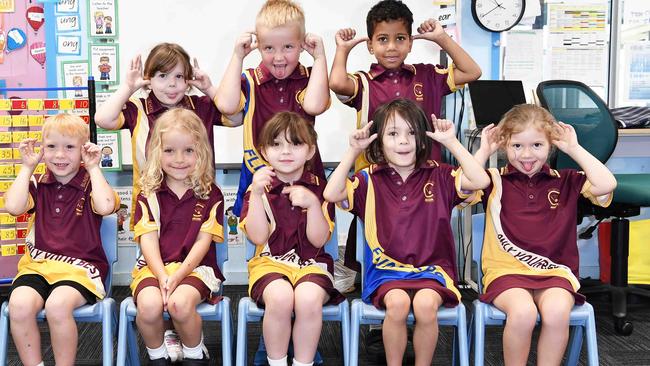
column 418, row 91
column 427, row 190
column 198, row 211
column 553, row 197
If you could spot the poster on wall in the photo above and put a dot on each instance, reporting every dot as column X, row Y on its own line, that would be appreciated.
column 67, row 23
column 67, row 6
column 124, row 235
column 639, row 75
column 109, row 144
column 68, row 45
column 104, row 61
column 234, row 235
column 102, row 16
column 7, row 6
column 75, row 74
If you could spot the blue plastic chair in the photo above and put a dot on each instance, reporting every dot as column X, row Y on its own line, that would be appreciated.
column 581, row 318
column 362, row 313
column 102, row 311
column 249, row 312
column 127, row 343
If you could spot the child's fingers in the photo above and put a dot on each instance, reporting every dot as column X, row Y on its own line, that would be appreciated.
column 372, row 138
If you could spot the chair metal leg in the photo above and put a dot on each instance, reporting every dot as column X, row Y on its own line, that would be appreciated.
column 4, row 332
column 575, row 345
column 242, row 349
column 226, row 332
column 592, row 341
column 355, row 324
column 108, row 311
column 479, row 333
column 461, row 328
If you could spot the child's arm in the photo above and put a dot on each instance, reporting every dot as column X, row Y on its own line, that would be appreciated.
column 193, row 259
column 466, row 68
column 317, row 93
column 317, row 227
column 345, row 42
column 150, row 247
column 474, row 176
column 17, row 196
column 107, row 115
column 489, row 144
column 229, row 89
column 359, row 141
column 257, row 224
column 601, row 179
column 201, row 81
column 103, row 196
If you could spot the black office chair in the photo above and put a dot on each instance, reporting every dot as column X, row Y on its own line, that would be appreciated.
column 576, row 104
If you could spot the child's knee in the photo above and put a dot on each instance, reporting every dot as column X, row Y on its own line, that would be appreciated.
column 555, row 316
column 522, row 317
column 22, row 309
column 149, row 307
column 425, row 308
column 58, row 309
column 181, row 307
column 398, row 304
column 279, row 303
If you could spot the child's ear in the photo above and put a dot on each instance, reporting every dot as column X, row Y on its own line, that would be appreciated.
column 263, row 154
column 312, row 151
column 369, row 44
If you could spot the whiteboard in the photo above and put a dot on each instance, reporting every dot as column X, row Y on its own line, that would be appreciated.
column 208, row 29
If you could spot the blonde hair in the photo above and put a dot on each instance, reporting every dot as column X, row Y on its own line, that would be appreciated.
column 276, row 13
column 520, row 117
column 68, row 125
column 179, row 120
column 164, row 57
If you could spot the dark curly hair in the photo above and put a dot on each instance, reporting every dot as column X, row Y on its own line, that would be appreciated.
column 386, row 10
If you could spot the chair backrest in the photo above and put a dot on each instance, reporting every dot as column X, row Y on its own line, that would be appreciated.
column 222, row 248
column 331, row 247
column 574, row 103
column 478, row 231
column 361, row 247
column 108, row 234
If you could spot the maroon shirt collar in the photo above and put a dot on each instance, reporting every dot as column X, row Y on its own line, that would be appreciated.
column 165, row 188
column 263, row 75
column 307, row 179
column 79, row 181
column 375, row 168
column 153, row 105
column 546, row 170
column 377, row 70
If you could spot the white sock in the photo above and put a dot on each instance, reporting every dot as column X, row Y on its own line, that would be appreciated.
column 156, row 353
column 298, row 363
column 195, row 353
column 40, row 364
column 279, row 362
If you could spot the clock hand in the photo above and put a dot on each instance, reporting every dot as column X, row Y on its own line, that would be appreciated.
column 493, row 9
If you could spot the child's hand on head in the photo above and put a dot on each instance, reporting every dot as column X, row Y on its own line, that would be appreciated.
column 200, row 80
column 134, row 78
column 261, row 179
column 431, row 30
column 567, row 137
column 489, row 141
column 28, row 156
column 345, row 38
column 444, row 130
column 90, row 154
column 245, row 44
column 313, row 44
column 360, row 139
column 300, row 196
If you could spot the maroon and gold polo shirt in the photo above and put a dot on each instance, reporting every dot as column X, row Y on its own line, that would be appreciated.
column 424, row 84
column 291, row 222
column 531, row 223
column 411, row 220
column 262, row 96
column 65, row 222
column 181, row 220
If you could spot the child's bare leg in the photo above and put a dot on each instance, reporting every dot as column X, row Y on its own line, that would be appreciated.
column 425, row 336
column 24, row 303
column 150, row 319
column 521, row 313
column 555, row 306
column 276, row 325
column 308, row 306
column 63, row 328
column 398, row 305
column 182, row 309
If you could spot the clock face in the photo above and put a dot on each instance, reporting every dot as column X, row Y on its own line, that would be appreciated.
column 497, row 15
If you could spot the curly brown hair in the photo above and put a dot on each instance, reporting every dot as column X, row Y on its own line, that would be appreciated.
column 520, row 117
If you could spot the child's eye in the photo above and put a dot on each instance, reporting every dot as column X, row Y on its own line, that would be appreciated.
column 538, row 145
column 401, row 38
column 289, row 46
column 297, row 144
column 275, row 143
column 392, row 133
column 168, row 150
column 50, row 146
column 411, row 132
column 69, row 147
column 268, row 48
column 189, row 150
column 382, row 39
column 162, row 76
column 180, row 76
column 516, row 146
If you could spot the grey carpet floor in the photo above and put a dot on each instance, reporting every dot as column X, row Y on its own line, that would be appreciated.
column 613, row 349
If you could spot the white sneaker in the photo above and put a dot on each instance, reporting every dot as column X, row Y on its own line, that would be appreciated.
column 173, row 345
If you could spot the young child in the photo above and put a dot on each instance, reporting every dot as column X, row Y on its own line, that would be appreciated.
column 179, row 214
column 285, row 216
column 389, row 24
column 405, row 200
column 279, row 83
column 534, row 268
column 64, row 265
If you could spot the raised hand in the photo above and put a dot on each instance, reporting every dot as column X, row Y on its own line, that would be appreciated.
column 300, row 196
column 345, row 38
column 431, row 30
column 261, row 179
column 134, row 78
column 360, row 139
column 28, row 156
column 313, row 44
column 444, row 130
column 200, row 80
column 567, row 138
column 90, row 154
column 489, row 142
column 245, row 44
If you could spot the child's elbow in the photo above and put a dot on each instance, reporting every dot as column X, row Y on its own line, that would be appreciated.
column 14, row 209
column 227, row 109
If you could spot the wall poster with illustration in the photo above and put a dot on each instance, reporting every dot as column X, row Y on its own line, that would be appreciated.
column 102, row 16
column 75, row 74
column 104, row 63
column 109, row 143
